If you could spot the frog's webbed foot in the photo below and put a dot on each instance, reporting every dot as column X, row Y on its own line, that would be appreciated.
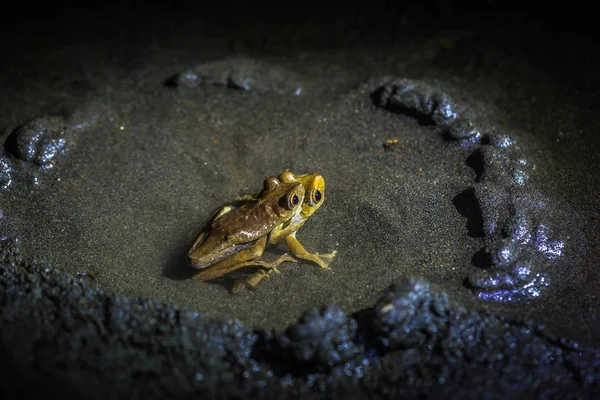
column 328, row 256
column 322, row 260
column 268, row 265
column 299, row 251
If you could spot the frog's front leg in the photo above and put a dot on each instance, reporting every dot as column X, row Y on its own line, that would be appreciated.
column 296, row 249
column 282, row 231
column 299, row 251
column 247, row 257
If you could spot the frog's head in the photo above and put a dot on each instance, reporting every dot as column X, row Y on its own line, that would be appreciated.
column 292, row 200
column 287, row 197
column 314, row 185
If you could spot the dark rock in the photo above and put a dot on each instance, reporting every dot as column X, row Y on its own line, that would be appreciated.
column 493, row 165
column 39, row 141
column 501, row 141
column 240, row 73
column 6, row 172
column 445, row 351
column 496, row 206
column 463, row 131
column 63, row 335
column 322, row 338
column 519, row 246
column 428, row 105
column 510, row 277
column 81, row 338
column 408, row 315
column 415, row 99
column 512, row 264
column 519, row 227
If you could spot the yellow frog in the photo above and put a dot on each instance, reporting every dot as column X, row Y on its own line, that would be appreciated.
column 236, row 235
column 314, row 197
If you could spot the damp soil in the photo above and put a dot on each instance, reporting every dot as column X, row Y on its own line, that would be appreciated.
column 147, row 161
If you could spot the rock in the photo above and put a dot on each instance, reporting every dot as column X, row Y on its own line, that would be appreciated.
column 322, row 338
column 39, row 141
column 408, row 315
column 241, row 73
column 415, row 99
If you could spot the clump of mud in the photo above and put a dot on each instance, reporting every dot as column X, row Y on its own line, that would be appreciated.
column 69, row 336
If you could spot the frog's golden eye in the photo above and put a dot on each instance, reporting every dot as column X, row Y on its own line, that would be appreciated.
column 317, row 196
column 294, row 200
column 290, row 201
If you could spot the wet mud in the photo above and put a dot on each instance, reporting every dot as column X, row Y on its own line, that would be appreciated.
column 460, row 200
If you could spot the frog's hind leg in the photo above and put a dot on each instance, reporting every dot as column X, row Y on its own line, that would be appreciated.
column 233, row 262
column 255, row 278
column 250, row 281
column 247, row 257
column 299, row 251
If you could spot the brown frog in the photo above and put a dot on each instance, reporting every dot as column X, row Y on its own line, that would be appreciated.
column 314, row 197
column 236, row 235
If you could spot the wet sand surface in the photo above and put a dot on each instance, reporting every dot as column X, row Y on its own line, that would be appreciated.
column 146, row 164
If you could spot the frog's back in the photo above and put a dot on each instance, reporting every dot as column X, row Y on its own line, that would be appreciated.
column 210, row 248
column 229, row 232
column 247, row 223
column 236, row 227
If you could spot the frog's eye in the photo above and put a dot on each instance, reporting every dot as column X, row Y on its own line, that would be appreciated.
column 290, row 202
column 316, row 197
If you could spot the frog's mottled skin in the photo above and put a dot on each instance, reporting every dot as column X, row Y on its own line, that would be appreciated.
column 236, row 235
column 314, row 197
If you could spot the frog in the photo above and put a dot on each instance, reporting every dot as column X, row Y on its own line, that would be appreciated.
column 236, row 235
column 314, row 185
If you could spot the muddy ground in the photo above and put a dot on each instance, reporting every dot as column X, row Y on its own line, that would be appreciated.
column 457, row 148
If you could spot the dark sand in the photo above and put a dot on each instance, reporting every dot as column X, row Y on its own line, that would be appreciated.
column 149, row 163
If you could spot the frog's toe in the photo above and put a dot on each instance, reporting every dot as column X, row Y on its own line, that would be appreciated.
column 328, row 256
column 323, row 259
column 285, row 257
column 323, row 264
